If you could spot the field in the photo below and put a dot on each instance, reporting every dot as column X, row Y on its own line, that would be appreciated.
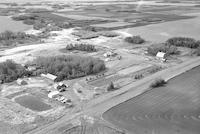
column 128, row 15
column 163, row 31
column 166, row 110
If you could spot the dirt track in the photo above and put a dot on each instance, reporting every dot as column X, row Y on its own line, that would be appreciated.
column 104, row 103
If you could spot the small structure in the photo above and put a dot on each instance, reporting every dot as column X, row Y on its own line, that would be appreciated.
column 31, row 68
column 49, row 76
column 53, row 94
column 21, row 82
column 107, row 59
column 61, row 87
column 109, row 54
column 161, row 55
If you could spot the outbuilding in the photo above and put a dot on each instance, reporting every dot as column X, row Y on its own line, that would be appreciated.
column 49, row 76
column 53, row 94
column 162, row 56
column 60, row 86
column 110, row 54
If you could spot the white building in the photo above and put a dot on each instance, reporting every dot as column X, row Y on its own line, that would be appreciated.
column 49, row 76
column 161, row 55
column 53, row 94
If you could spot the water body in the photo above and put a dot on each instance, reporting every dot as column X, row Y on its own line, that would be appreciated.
column 173, row 109
column 6, row 23
column 162, row 31
column 32, row 103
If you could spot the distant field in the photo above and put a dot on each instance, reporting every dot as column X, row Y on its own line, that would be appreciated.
column 162, row 31
column 127, row 15
column 174, row 109
column 113, row 24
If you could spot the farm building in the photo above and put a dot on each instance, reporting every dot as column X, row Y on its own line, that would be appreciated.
column 109, row 54
column 53, row 94
column 60, row 86
column 31, row 68
column 21, row 82
column 161, row 55
column 49, row 76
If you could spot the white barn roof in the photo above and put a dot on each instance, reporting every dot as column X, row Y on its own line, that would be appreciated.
column 161, row 55
column 53, row 93
column 49, row 76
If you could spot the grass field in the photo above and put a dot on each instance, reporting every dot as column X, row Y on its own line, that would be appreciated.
column 173, row 109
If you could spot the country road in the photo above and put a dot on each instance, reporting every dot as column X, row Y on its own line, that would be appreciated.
column 105, row 102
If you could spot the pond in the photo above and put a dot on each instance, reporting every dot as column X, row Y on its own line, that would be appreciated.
column 32, row 103
column 7, row 23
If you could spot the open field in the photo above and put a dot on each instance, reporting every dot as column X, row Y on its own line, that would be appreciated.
column 163, row 31
column 170, row 109
column 128, row 15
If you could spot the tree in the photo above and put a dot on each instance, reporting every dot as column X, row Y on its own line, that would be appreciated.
column 110, row 87
column 10, row 71
column 134, row 40
column 69, row 67
column 183, row 42
column 168, row 49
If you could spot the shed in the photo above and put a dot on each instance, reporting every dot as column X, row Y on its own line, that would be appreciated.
column 53, row 94
column 21, row 82
column 161, row 55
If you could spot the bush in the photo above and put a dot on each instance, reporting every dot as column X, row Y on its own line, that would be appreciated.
column 110, row 87
column 169, row 50
column 134, row 40
column 69, row 67
column 108, row 34
column 81, row 47
column 9, row 38
column 197, row 51
column 155, row 69
column 10, row 71
column 25, row 17
column 183, row 42
column 158, row 83
column 138, row 76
